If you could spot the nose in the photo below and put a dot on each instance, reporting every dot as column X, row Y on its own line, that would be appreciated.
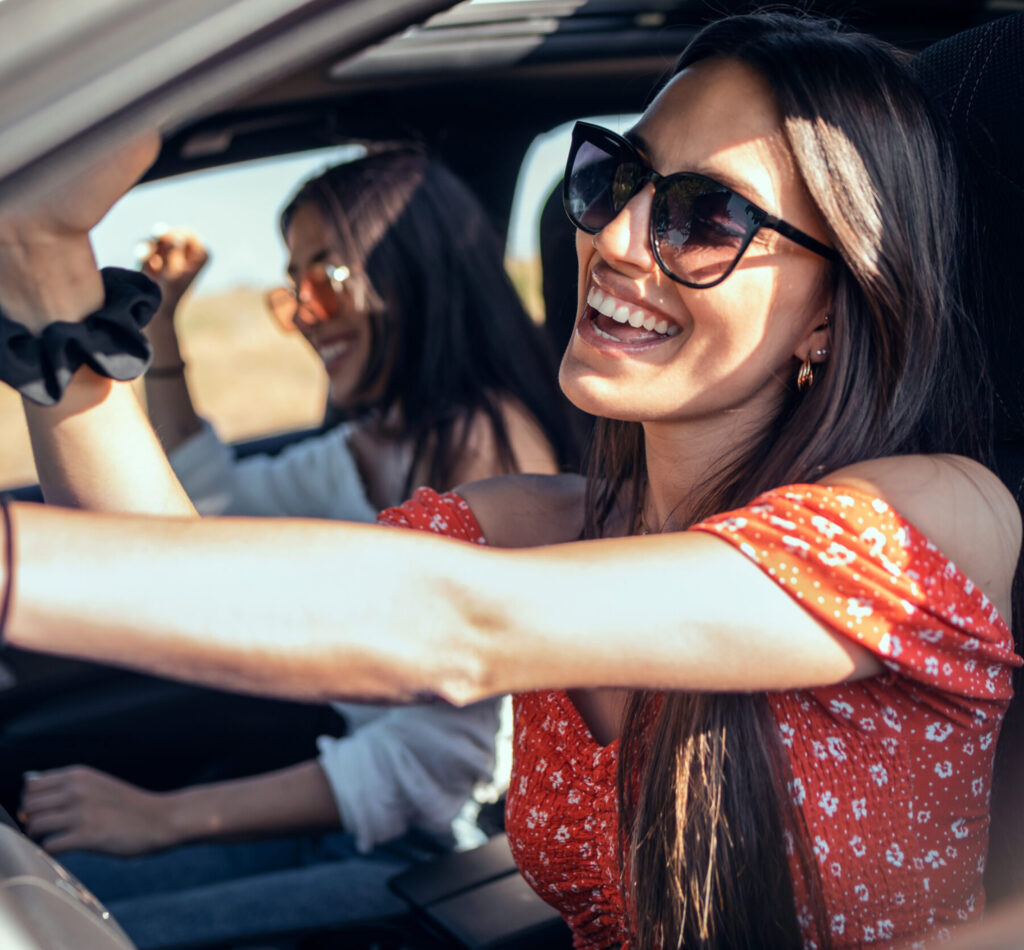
column 626, row 238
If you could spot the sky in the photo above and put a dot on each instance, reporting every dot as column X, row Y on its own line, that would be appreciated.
column 234, row 210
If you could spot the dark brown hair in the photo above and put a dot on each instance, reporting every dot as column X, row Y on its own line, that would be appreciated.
column 705, row 815
column 450, row 335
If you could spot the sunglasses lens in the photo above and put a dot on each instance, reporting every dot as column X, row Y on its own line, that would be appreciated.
column 600, row 179
column 700, row 228
column 314, row 301
column 318, row 300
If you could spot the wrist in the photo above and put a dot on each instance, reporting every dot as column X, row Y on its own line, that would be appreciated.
column 177, row 818
column 49, row 280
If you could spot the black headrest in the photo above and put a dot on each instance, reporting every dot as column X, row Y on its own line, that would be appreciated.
column 978, row 79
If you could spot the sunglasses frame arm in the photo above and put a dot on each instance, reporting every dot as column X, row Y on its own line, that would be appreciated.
column 797, row 236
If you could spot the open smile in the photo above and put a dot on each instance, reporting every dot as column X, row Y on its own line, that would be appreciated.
column 335, row 349
column 611, row 320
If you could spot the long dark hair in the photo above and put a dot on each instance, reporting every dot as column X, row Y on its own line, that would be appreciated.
column 702, row 777
column 450, row 335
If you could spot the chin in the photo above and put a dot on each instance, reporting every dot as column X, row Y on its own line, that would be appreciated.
column 596, row 395
column 340, row 397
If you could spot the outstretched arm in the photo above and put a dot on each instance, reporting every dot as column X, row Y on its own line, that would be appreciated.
column 253, row 606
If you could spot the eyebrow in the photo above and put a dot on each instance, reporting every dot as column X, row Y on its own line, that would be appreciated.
column 293, row 269
column 743, row 188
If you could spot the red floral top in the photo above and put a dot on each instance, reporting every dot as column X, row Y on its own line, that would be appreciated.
column 892, row 774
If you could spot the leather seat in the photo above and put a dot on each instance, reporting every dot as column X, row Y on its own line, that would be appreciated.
column 977, row 77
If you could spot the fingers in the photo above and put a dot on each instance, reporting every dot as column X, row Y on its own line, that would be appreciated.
column 72, row 840
column 57, row 798
column 48, row 809
column 173, row 258
column 79, row 807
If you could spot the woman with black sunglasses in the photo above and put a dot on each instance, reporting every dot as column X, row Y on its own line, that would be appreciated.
column 758, row 703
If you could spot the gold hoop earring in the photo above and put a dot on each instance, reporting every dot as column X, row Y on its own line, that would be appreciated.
column 805, row 376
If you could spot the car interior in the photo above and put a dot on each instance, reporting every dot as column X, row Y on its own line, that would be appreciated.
column 476, row 84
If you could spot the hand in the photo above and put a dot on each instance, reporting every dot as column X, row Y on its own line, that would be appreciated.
column 47, row 269
column 76, row 207
column 79, row 808
column 173, row 261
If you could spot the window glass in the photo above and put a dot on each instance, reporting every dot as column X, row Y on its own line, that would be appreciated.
column 247, row 376
column 540, row 175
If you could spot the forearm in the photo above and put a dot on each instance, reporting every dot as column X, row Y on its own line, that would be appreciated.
column 95, row 448
column 245, row 604
column 168, row 400
column 290, row 800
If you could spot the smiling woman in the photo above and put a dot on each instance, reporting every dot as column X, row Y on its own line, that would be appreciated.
column 784, row 621
column 392, row 267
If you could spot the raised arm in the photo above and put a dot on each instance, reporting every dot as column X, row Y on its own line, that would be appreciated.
column 173, row 263
column 95, row 448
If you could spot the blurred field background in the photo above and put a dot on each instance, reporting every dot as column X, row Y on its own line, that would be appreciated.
column 246, row 375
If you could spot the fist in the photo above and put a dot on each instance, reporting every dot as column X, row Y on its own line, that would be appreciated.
column 173, row 260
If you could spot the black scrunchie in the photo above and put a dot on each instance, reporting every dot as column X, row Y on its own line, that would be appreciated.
column 110, row 341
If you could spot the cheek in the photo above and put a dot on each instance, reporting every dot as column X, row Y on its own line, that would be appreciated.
column 584, row 256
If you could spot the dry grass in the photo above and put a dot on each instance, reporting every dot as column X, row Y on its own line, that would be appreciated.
column 245, row 374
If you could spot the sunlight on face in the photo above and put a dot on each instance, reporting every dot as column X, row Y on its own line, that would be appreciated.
column 736, row 342
column 344, row 342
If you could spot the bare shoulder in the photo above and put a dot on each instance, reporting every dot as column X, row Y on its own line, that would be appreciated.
column 961, row 506
column 480, row 457
column 518, row 511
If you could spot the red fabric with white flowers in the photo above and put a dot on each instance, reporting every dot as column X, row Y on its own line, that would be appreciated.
column 891, row 774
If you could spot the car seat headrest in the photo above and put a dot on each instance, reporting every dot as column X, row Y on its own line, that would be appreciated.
column 977, row 78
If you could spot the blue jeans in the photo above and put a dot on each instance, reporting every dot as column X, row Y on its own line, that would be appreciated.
column 206, row 893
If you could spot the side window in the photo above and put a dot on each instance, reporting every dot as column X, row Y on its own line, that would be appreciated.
column 541, row 251
column 246, row 375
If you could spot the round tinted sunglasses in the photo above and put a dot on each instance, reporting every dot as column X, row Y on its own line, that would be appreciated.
column 699, row 228
column 313, row 299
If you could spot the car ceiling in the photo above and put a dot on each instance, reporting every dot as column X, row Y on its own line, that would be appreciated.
column 475, row 83
column 478, row 82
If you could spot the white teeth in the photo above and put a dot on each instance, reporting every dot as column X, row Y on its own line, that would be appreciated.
column 608, row 306
column 332, row 352
column 607, row 336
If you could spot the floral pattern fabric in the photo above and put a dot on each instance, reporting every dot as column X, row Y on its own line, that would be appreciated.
column 891, row 775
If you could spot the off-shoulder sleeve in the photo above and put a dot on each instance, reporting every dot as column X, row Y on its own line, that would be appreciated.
column 868, row 574
column 446, row 514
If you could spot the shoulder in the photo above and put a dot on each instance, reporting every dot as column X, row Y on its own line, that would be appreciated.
column 516, row 511
column 958, row 504
column 530, row 447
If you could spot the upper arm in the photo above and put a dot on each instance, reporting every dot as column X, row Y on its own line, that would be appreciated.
column 958, row 504
column 525, row 511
